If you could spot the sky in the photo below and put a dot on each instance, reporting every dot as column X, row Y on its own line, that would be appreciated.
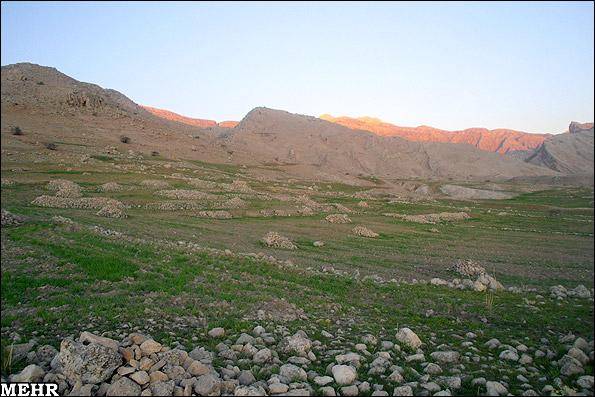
column 525, row 66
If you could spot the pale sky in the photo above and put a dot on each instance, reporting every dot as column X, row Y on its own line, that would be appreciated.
column 525, row 66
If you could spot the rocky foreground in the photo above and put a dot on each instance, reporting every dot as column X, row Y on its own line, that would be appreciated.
column 274, row 362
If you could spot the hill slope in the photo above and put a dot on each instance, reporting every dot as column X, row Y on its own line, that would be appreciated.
column 26, row 86
column 324, row 147
column 568, row 153
column 51, row 106
column 499, row 140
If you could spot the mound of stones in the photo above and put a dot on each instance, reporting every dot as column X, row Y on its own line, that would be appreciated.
column 274, row 239
column 431, row 218
column 340, row 207
column 80, row 203
column 274, row 212
column 338, row 218
column 175, row 205
column 214, row 214
column 183, row 194
column 580, row 291
column 482, row 283
column 10, row 219
column 5, row 182
column 59, row 184
column 308, row 202
column 112, row 210
column 110, row 187
column 277, row 362
column 233, row 203
column 468, row 267
column 65, row 188
column 363, row 231
column 237, row 186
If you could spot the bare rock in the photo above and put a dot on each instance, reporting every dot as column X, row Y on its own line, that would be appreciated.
column 91, row 363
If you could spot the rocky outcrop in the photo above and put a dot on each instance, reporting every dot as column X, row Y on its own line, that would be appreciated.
column 166, row 114
column 568, row 153
column 499, row 140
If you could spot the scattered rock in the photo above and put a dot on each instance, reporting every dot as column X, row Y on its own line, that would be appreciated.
column 409, row 338
column 344, row 374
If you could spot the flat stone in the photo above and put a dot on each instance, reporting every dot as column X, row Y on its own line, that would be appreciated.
column 140, row 377
column 217, row 332
column 123, row 387
column 87, row 337
column 149, row 347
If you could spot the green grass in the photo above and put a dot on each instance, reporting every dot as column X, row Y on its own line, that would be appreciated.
column 102, row 157
column 60, row 280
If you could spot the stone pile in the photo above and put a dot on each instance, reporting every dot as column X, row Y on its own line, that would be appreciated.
column 468, row 267
column 112, row 210
column 65, row 188
column 561, row 292
column 9, row 219
column 337, row 218
column 363, row 231
column 5, row 182
column 214, row 214
column 431, row 218
column 233, row 203
column 80, row 203
column 482, row 283
column 110, row 187
column 184, row 194
column 274, row 239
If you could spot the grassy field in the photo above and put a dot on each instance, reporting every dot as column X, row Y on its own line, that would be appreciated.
column 58, row 280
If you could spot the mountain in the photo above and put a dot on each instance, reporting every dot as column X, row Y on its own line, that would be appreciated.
column 84, row 118
column 500, row 140
column 568, row 153
column 202, row 123
column 50, row 106
column 319, row 147
column 26, row 86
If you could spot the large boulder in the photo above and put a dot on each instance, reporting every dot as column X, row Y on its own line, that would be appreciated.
column 293, row 373
column 207, row 385
column 409, row 338
column 298, row 344
column 344, row 374
column 91, row 363
column 446, row 356
column 31, row 373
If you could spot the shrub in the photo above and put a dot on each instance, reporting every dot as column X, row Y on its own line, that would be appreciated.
column 17, row 130
column 124, row 139
column 154, row 153
column 51, row 146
